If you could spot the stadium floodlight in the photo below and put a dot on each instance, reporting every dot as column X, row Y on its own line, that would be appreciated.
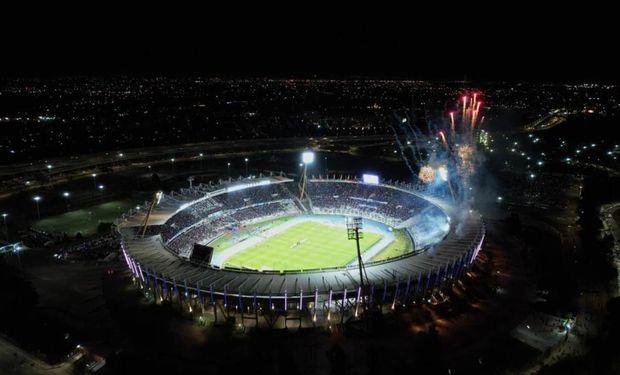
column 307, row 157
column 354, row 232
column 370, row 179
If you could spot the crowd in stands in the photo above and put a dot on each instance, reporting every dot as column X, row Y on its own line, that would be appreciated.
column 253, row 195
column 205, row 231
column 387, row 202
column 187, row 217
column 265, row 210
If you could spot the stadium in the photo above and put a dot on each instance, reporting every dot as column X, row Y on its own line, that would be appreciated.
column 272, row 246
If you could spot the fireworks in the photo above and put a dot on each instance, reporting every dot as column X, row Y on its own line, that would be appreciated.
column 443, row 139
column 443, row 172
column 465, row 163
column 447, row 150
column 427, row 174
column 452, row 122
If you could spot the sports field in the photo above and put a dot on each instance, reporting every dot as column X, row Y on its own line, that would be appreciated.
column 84, row 220
column 304, row 245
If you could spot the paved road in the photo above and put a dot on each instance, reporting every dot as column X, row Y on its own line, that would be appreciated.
column 209, row 149
column 13, row 360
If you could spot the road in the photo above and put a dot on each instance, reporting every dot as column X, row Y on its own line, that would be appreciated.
column 13, row 360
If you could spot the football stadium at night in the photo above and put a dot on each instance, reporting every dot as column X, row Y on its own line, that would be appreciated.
column 266, row 196
column 273, row 246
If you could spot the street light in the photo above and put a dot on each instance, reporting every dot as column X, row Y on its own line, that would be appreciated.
column 94, row 175
column 66, row 195
column 101, row 187
column 36, row 199
column 6, row 228
column 246, row 166
column 228, row 166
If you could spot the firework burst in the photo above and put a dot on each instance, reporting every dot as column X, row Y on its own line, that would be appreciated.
column 447, row 149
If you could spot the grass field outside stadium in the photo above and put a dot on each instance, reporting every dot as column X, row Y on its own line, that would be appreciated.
column 84, row 220
column 305, row 242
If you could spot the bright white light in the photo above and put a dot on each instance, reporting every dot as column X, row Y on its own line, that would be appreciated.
column 49, row 166
column 370, row 179
column 65, row 194
column 230, row 189
column 36, row 198
column 443, row 172
column 307, row 157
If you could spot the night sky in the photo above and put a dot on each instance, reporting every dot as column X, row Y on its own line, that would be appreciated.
column 514, row 45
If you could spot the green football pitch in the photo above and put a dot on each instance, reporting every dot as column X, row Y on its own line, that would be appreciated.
column 84, row 220
column 306, row 245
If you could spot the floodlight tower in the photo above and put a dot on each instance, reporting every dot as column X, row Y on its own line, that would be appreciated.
column 354, row 232
column 307, row 157
column 155, row 201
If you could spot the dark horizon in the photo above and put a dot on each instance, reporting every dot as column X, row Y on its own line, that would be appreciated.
column 552, row 49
